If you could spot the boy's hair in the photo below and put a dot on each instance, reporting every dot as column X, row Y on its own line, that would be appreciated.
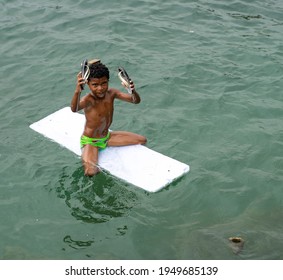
column 98, row 70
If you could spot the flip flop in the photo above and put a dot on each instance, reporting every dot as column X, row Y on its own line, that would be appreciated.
column 85, row 71
column 125, row 79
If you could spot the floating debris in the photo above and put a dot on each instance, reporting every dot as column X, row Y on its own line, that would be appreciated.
column 237, row 244
column 247, row 17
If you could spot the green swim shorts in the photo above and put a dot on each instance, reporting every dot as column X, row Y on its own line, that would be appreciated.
column 96, row 142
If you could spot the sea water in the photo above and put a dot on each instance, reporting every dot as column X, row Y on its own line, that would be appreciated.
column 209, row 74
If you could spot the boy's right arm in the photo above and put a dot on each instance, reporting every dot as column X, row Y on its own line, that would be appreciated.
column 75, row 103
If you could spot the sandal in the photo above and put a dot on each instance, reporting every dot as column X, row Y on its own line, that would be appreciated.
column 125, row 79
column 85, row 71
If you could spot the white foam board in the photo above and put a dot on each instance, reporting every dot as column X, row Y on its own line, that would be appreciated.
column 135, row 164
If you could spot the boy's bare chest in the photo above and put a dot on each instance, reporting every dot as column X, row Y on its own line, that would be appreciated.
column 100, row 109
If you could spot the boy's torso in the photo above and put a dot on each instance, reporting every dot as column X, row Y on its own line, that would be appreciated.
column 98, row 114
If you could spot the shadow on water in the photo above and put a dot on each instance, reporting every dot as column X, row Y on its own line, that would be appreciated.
column 95, row 199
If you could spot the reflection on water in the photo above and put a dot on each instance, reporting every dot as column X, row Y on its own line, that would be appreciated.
column 96, row 199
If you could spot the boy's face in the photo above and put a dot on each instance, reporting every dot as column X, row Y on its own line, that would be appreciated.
column 98, row 86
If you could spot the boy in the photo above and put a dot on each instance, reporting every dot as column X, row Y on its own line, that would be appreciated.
column 98, row 107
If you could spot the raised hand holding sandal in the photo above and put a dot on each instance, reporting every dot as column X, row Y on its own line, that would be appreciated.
column 125, row 79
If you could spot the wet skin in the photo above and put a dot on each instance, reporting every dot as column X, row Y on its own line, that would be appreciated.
column 98, row 106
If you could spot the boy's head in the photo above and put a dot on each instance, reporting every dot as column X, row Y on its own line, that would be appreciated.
column 98, row 70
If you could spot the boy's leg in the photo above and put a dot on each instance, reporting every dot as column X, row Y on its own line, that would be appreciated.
column 124, row 138
column 90, row 159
